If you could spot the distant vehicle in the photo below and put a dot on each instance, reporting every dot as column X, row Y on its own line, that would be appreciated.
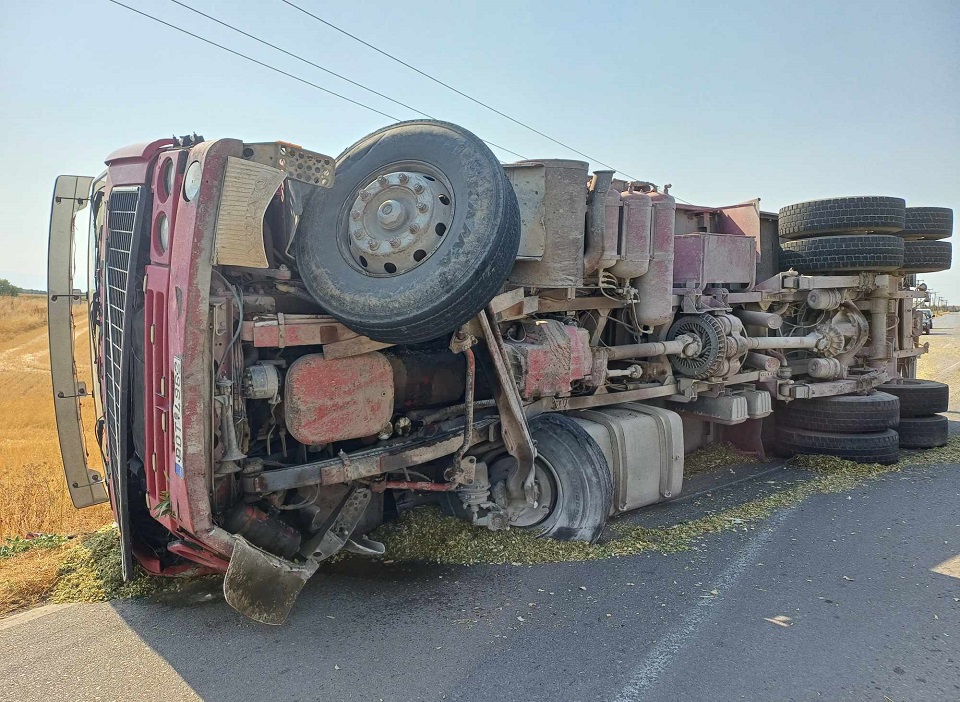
column 289, row 349
column 926, row 320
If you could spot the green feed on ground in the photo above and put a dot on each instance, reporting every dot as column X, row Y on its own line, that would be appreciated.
column 426, row 535
column 90, row 567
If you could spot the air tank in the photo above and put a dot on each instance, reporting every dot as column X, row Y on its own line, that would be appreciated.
column 655, row 287
column 633, row 247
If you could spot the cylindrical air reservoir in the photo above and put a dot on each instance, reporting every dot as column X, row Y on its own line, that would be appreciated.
column 634, row 244
column 655, row 287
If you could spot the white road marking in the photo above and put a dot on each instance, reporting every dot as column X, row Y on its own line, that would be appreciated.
column 661, row 655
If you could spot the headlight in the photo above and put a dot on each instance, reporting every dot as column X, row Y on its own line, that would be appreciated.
column 191, row 181
column 163, row 233
column 166, row 181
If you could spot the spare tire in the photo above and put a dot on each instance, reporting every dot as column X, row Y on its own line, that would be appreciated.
column 919, row 398
column 416, row 236
column 873, row 447
column 838, row 254
column 926, row 256
column 924, row 432
column 846, row 413
column 841, row 215
column 927, row 223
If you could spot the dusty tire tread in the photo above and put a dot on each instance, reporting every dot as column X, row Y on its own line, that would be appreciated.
column 846, row 413
column 924, row 432
column 872, row 213
column 919, row 398
column 842, row 253
column 927, row 256
column 929, row 223
column 871, row 447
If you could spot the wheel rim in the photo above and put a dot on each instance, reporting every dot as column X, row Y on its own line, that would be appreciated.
column 547, row 490
column 398, row 219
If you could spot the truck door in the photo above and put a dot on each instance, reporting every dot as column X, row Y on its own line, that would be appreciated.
column 86, row 485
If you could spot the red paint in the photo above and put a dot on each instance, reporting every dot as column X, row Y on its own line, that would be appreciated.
column 334, row 399
column 551, row 356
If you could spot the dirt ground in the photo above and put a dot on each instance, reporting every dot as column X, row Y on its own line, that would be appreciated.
column 33, row 495
column 943, row 361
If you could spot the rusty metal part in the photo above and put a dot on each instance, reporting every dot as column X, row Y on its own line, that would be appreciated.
column 516, row 432
column 433, row 416
column 596, row 220
column 762, row 362
column 825, row 298
column 759, row 319
column 263, row 586
column 399, row 454
column 825, row 368
column 685, row 344
column 712, row 357
column 329, row 400
column 455, row 469
column 398, row 220
column 424, row 486
column 263, row 530
column 548, row 356
column 553, row 211
column 859, row 383
column 814, row 341
column 340, row 524
column 427, row 379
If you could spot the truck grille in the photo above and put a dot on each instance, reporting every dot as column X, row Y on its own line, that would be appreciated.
column 120, row 283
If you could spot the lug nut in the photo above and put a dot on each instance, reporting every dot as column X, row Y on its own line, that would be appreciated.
column 418, row 188
column 421, row 207
column 355, row 214
column 358, row 234
column 414, row 228
column 396, row 243
column 382, row 181
column 374, row 244
column 403, row 177
column 364, row 195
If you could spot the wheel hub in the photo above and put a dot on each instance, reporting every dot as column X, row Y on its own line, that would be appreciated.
column 398, row 221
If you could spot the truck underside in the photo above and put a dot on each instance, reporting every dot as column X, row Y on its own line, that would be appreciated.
column 291, row 348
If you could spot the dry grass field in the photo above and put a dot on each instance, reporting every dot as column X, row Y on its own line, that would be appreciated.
column 33, row 494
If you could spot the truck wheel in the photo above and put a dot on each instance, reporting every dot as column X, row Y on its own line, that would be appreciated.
column 838, row 254
column 873, row 447
column 846, row 413
column 927, row 223
column 926, row 256
column 919, row 398
column 924, row 432
column 416, row 236
column 573, row 478
column 841, row 215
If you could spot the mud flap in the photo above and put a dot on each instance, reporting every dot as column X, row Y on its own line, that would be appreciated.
column 263, row 586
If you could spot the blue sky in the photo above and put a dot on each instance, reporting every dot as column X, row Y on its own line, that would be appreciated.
column 726, row 101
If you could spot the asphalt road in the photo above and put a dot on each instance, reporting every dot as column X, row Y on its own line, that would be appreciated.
column 852, row 596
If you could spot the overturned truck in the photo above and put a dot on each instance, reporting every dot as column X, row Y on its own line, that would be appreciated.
column 290, row 348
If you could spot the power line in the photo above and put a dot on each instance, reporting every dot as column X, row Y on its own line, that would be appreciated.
column 450, row 87
column 279, row 70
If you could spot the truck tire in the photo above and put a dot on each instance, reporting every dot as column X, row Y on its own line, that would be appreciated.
column 847, row 413
column 872, row 447
column 842, row 253
column 919, row 398
column 926, row 256
column 924, row 432
column 927, row 223
column 416, row 236
column 841, row 215
column 576, row 486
